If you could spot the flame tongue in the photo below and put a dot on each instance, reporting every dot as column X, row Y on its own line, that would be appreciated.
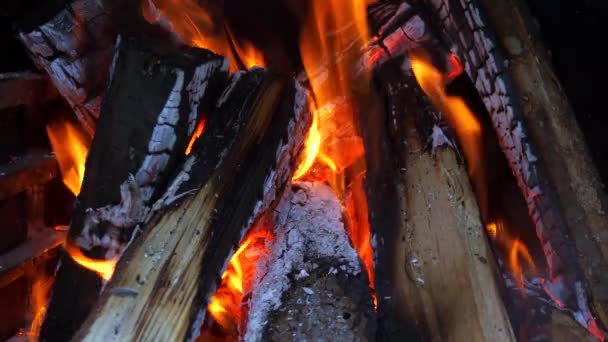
column 70, row 149
column 104, row 268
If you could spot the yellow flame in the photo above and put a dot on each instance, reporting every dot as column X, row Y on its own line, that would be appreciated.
column 71, row 150
column 104, row 268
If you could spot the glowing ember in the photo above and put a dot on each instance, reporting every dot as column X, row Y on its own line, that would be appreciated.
column 70, row 149
column 225, row 305
column 200, row 128
column 104, row 268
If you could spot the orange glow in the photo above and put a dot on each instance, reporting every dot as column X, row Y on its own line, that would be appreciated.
column 104, row 268
column 200, row 128
column 70, row 147
column 225, row 305
column 38, row 300
column 330, row 40
column 520, row 252
column 517, row 252
column 193, row 25
column 459, row 117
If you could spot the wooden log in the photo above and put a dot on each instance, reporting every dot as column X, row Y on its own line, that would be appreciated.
column 36, row 168
column 72, row 41
column 311, row 285
column 537, row 129
column 436, row 274
column 151, row 108
column 24, row 88
column 239, row 165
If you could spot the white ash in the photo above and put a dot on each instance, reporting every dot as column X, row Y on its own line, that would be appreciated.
column 308, row 227
column 438, row 139
column 115, row 218
column 197, row 87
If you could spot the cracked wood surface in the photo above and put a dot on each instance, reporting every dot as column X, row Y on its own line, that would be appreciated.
column 241, row 163
column 140, row 140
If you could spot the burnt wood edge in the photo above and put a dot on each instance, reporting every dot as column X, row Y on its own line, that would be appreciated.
column 141, row 83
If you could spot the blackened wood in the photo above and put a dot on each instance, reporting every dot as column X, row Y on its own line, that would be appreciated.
column 74, row 46
column 436, row 275
column 149, row 112
column 246, row 155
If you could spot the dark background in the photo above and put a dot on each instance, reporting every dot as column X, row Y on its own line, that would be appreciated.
column 575, row 32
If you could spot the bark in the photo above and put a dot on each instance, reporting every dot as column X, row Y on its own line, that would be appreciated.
column 150, row 111
column 312, row 285
column 245, row 157
column 436, row 274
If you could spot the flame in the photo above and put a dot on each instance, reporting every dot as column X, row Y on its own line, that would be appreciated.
column 104, row 268
column 194, row 26
column 328, row 47
column 38, row 300
column 517, row 252
column 225, row 305
column 70, row 149
column 200, row 128
column 459, row 117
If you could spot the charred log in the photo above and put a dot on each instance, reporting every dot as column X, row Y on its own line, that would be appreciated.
column 149, row 112
column 236, row 170
column 74, row 46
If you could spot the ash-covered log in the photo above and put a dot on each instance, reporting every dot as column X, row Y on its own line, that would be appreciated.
column 312, row 285
column 436, row 274
column 151, row 108
column 237, row 169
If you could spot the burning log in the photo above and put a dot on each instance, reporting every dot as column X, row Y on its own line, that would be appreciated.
column 235, row 171
column 312, row 285
column 570, row 179
column 74, row 47
column 150, row 110
column 436, row 275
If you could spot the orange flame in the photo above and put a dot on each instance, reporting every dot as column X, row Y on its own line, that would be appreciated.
column 516, row 249
column 194, row 26
column 200, row 128
column 225, row 305
column 38, row 301
column 459, row 117
column 70, row 149
column 104, row 268
column 329, row 44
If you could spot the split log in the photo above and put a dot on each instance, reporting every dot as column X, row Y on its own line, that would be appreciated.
column 541, row 139
column 436, row 274
column 150, row 111
column 237, row 168
column 559, row 143
column 72, row 41
column 312, row 285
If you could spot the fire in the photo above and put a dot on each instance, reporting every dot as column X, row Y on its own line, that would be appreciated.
column 38, row 300
column 104, row 268
column 225, row 305
column 468, row 129
column 71, row 149
column 459, row 117
column 328, row 38
column 517, row 252
column 200, row 128
column 195, row 26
